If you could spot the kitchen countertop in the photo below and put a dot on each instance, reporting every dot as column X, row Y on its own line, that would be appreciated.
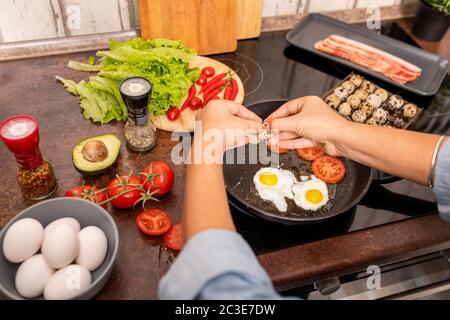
column 28, row 87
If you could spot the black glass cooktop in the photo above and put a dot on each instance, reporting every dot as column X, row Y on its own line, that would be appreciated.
column 271, row 69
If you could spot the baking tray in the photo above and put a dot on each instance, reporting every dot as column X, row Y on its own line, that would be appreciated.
column 316, row 27
column 406, row 122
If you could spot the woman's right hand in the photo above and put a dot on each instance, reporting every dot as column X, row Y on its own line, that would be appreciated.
column 306, row 122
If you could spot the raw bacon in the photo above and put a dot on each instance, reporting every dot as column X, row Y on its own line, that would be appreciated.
column 369, row 57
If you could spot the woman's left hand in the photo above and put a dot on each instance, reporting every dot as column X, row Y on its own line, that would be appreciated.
column 228, row 123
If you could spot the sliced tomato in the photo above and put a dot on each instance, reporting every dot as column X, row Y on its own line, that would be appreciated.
column 277, row 150
column 310, row 154
column 153, row 222
column 329, row 169
column 173, row 238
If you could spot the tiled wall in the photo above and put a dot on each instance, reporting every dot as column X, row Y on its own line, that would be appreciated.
column 38, row 19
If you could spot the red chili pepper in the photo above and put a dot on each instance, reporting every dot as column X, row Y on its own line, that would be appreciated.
column 234, row 89
column 209, row 96
column 192, row 92
column 215, row 86
column 227, row 94
column 212, row 81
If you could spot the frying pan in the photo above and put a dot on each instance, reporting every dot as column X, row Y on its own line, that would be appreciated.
column 239, row 171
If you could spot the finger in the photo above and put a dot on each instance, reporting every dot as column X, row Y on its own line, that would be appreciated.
column 251, row 125
column 289, row 108
column 297, row 143
column 242, row 112
column 287, row 135
column 288, row 124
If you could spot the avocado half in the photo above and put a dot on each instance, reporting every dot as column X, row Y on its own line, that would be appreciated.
column 94, row 155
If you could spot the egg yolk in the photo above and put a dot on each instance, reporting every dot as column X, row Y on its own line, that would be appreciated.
column 268, row 179
column 314, row 196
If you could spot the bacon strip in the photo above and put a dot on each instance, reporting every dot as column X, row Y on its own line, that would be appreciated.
column 369, row 57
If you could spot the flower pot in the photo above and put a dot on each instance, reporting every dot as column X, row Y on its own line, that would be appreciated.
column 430, row 24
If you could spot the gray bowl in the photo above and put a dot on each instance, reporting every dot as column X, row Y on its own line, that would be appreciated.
column 87, row 214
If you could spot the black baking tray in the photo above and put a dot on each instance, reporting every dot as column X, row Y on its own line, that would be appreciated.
column 316, row 27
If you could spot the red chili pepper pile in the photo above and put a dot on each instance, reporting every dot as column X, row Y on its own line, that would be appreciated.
column 210, row 89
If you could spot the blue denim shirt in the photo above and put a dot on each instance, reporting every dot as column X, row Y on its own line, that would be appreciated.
column 219, row 264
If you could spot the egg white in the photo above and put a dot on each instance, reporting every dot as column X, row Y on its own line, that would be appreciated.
column 300, row 190
column 278, row 192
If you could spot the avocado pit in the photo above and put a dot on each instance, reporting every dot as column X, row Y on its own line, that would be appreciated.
column 95, row 151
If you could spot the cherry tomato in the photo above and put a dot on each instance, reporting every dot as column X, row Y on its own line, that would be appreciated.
column 157, row 176
column 153, row 222
column 208, row 72
column 86, row 192
column 173, row 238
column 202, row 80
column 277, row 150
column 124, row 191
column 310, row 154
column 329, row 169
column 173, row 113
column 195, row 103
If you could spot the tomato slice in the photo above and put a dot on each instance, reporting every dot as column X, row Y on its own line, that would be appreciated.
column 153, row 222
column 310, row 154
column 173, row 238
column 329, row 169
column 277, row 150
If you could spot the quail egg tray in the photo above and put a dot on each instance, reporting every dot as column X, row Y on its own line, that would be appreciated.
column 360, row 100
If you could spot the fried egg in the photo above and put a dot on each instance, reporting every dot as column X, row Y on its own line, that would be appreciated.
column 311, row 194
column 275, row 185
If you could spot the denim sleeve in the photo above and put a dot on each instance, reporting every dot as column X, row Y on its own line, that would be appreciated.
column 441, row 186
column 216, row 264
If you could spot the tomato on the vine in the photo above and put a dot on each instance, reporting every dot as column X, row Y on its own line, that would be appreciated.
column 89, row 193
column 125, row 191
column 157, row 178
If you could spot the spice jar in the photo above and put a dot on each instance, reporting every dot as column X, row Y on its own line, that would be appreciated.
column 35, row 174
column 140, row 132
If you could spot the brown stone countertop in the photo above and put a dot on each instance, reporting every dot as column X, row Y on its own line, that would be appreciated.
column 29, row 87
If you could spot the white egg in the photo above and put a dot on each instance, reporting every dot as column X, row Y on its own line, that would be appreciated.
column 93, row 247
column 22, row 240
column 32, row 276
column 67, row 283
column 311, row 195
column 275, row 185
column 69, row 221
column 60, row 246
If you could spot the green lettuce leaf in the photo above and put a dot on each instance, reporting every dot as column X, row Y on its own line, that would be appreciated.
column 163, row 62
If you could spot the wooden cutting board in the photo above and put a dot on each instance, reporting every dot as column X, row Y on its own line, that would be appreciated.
column 209, row 26
column 186, row 120
column 249, row 18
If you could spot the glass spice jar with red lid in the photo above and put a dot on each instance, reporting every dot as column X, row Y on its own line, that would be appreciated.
column 35, row 175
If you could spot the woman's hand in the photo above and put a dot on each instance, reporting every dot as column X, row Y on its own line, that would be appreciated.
column 233, row 122
column 308, row 121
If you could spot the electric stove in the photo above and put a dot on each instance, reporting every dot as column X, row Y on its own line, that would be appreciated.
column 272, row 69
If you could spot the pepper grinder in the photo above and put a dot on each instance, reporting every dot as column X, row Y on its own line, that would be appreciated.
column 35, row 175
column 140, row 131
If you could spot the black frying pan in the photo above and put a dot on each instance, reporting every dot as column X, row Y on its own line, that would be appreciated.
column 240, row 186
